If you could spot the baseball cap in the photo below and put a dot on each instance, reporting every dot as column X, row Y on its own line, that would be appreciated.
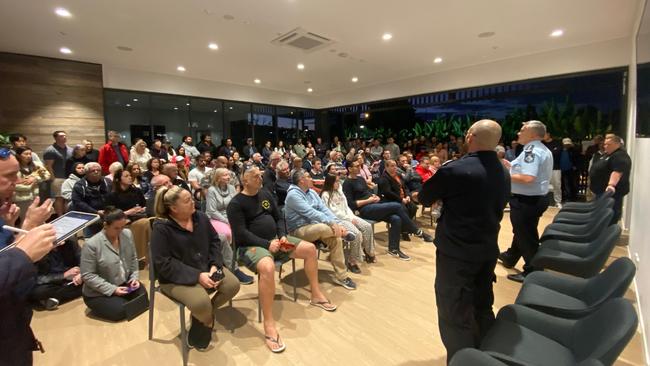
column 567, row 141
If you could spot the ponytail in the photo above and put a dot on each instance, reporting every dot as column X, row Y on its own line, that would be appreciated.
column 165, row 198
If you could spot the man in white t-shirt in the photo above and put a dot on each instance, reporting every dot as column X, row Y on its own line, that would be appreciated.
column 196, row 175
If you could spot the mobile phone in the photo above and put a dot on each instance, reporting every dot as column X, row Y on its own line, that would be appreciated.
column 218, row 275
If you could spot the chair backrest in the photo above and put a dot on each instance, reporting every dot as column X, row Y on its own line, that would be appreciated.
column 152, row 265
column 601, row 221
column 604, row 334
column 599, row 250
column 609, row 284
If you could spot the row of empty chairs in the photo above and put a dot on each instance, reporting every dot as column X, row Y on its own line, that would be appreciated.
column 575, row 317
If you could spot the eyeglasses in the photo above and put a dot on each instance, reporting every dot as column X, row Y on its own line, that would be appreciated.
column 5, row 153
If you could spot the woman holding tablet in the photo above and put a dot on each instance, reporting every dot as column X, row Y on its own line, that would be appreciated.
column 109, row 269
column 187, row 258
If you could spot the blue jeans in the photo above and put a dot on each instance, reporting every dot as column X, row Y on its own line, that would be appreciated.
column 393, row 213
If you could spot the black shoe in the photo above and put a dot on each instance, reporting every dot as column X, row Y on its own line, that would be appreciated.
column 243, row 278
column 354, row 268
column 424, row 236
column 517, row 277
column 507, row 260
column 369, row 258
column 199, row 336
column 50, row 303
column 399, row 255
column 406, row 237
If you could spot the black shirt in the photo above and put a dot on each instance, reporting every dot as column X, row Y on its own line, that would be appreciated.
column 179, row 255
column 474, row 191
column 603, row 166
column 126, row 200
column 255, row 220
column 556, row 149
column 355, row 190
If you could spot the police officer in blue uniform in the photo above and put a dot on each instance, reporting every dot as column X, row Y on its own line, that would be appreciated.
column 530, row 173
column 474, row 191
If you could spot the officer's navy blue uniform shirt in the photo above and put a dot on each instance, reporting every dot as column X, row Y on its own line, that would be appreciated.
column 535, row 160
column 474, row 191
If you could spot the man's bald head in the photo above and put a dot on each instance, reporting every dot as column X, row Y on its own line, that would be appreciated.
column 483, row 135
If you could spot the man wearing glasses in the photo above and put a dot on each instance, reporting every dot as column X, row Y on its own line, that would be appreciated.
column 17, row 269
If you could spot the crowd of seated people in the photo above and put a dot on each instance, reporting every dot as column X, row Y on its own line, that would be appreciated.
column 204, row 210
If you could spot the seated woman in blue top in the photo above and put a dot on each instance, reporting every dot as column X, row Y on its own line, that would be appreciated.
column 186, row 254
column 109, row 268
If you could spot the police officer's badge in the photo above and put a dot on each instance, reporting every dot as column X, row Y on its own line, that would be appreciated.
column 529, row 157
column 266, row 204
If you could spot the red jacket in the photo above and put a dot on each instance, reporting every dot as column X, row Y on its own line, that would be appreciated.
column 107, row 156
column 424, row 173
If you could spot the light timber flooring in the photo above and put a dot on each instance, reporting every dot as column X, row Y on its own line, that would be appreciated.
column 390, row 320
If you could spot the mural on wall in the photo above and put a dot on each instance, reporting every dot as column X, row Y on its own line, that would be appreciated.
column 578, row 107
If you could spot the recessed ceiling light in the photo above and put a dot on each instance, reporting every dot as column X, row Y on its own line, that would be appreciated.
column 215, row 111
column 213, row 46
column 135, row 99
column 362, row 126
column 557, row 33
column 387, row 36
column 300, row 66
column 355, row 79
column 187, row 104
column 175, row 108
column 437, row 60
column 65, row 50
column 63, row 12
column 181, row 68
column 128, row 105
column 366, row 115
column 257, row 81
column 230, row 108
column 309, row 90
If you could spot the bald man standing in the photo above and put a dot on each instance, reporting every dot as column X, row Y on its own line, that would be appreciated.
column 474, row 191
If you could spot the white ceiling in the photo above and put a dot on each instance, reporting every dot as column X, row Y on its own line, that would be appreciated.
column 166, row 33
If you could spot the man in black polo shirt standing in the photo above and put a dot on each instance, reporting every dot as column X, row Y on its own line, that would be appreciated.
column 611, row 172
column 474, row 191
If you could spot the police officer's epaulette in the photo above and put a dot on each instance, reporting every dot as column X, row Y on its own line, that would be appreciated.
column 529, row 148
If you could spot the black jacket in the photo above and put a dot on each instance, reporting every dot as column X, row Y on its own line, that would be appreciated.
column 389, row 188
column 87, row 197
column 212, row 148
column 17, row 341
column 52, row 267
column 474, row 191
column 179, row 256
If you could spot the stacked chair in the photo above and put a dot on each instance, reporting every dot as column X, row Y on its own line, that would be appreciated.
column 575, row 317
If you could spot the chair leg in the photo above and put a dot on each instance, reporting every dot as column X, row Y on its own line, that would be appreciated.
column 259, row 303
column 152, row 294
column 293, row 269
column 184, row 348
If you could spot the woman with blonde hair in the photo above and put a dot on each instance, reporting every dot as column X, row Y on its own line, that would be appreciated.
column 140, row 154
column 219, row 195
column 186, row 255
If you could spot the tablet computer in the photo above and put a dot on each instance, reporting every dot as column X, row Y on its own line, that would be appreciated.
column 71, row 223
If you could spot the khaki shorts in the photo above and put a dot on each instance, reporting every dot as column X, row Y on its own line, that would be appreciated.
column 55, row 187
column 250, row 256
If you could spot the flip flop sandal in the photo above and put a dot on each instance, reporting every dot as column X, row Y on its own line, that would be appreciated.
column 275, row 341
column 323, row 305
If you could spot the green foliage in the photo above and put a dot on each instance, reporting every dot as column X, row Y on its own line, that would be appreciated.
column 562, row 119
column 4, row 139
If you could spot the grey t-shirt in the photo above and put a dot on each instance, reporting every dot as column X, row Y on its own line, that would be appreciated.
column 59, row 155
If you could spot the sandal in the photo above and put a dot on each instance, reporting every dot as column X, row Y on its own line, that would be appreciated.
column 324, row 304
column 276, row 341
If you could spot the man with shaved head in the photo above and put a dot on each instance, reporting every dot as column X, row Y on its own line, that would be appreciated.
column 474, row 190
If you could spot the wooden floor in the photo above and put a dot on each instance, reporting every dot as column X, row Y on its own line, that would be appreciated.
column 390, row 320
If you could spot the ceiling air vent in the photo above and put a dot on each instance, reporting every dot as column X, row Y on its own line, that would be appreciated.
column 302, row 40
